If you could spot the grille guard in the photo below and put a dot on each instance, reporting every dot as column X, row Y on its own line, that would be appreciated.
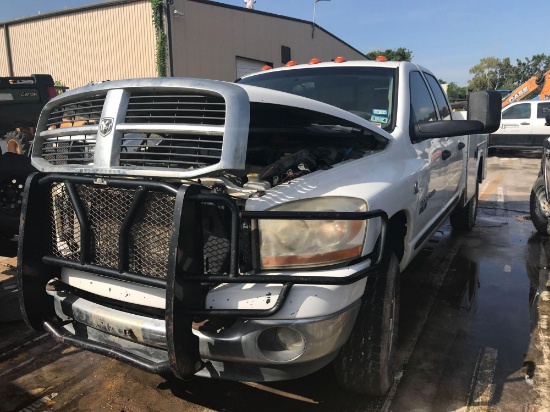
column 187, row 198
column 184, row 287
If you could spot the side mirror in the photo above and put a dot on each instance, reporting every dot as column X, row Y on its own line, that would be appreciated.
column 485, row 107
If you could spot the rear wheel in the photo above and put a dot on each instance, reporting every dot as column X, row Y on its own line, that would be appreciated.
column 18, row 142
column 464, row 218
column 539, row 207
column 366, row 363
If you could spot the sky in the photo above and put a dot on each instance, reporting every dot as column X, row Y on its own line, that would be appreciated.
column 447, row 37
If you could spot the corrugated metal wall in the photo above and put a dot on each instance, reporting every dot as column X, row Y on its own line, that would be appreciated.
column 107, row 43
column 209, row 49
column 3, row 56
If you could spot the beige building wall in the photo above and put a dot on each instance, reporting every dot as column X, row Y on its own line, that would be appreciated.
column 206, row 39
column 4, row 69
column 106, row 43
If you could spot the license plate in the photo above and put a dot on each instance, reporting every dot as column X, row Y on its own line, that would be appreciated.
column 4, row 97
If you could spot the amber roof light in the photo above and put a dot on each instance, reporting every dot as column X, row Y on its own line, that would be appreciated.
column 340, row 59
column 290, row 63
column 314, row 61
column 266, row 67
column 381, row 59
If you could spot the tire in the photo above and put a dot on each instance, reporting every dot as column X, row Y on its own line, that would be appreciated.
column 366, row 362
column 464, row 218
column 18, row 142
column 537, row 205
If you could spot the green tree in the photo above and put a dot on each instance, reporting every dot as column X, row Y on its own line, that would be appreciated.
column 539, row 63
column 454, row 91
column 399, row 54
column 487, row 75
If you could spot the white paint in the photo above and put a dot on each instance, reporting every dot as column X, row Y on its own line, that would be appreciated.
column 115, row 289
column 507, row 268
column 481, row 391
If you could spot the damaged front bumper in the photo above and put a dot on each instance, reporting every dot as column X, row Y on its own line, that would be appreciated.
column 72, row 232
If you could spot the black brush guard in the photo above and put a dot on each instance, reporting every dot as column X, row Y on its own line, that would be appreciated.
column 185, row 274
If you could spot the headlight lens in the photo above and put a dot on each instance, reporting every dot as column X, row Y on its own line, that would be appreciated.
column 308, row 243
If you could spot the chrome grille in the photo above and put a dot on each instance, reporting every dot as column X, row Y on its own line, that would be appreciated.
column 170, row 150
column 63, row 150
column 176, row 108
column 77, row 113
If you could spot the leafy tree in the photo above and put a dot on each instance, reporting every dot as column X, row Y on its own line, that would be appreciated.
column 526, row 69
column 455, row 92
column 399, row 54
column 487, row 75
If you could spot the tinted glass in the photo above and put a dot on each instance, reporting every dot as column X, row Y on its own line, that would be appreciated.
column 519, row 111
column 422, row 107
column 441, row 101
column 543, row 109
column 368, row 92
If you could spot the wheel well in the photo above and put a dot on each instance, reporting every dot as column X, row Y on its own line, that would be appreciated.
column 397, row 230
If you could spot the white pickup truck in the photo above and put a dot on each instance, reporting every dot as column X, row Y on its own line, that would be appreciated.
column 246, row 231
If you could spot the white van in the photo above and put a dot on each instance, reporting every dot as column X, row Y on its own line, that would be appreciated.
column 522, row 125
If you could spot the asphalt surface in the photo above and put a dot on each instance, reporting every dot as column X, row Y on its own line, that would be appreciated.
column 473, row 333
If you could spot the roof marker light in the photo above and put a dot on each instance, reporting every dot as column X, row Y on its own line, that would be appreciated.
column 290, row 63
column 340, row 59
column 381, row 59
column 266, row 67
column 314, row 61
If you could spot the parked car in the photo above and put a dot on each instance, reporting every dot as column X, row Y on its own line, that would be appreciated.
column 522, row 126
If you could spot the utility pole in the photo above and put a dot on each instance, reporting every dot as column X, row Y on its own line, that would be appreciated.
column 313, row 21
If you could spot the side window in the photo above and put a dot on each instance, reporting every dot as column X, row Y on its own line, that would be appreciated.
column 422, row 106
column 543, row 109
column 441, row 101
column 519, row 111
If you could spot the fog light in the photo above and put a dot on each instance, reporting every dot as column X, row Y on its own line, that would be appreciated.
column 281, row 344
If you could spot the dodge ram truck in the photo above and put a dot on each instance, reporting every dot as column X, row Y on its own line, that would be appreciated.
column 249, row 231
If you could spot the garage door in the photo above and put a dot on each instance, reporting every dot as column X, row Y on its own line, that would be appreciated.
column 247, row 66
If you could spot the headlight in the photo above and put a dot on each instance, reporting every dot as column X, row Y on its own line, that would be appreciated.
column 308, row 243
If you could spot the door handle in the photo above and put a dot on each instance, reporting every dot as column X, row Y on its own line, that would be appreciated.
column 446, row 154
column 525, row 123
column 461, row 145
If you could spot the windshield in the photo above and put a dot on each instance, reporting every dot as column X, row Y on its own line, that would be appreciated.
column 368, row 92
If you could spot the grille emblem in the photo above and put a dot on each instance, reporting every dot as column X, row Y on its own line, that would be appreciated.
column 105, row 126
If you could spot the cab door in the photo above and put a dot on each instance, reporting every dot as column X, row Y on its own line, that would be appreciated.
column 454, row 148
column 431, row 177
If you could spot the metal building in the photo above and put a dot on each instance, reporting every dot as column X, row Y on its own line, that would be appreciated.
column 116, row 40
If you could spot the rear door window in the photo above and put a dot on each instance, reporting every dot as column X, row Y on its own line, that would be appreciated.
column 543, row 109
column 519, row 111
column 441, row 101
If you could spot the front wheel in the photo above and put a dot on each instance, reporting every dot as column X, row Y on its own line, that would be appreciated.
column 366, row 362
column 538, row 206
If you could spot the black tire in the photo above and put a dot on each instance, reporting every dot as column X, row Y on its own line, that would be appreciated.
column 18, row 142
column 464, row 218
column 537, row 205
column 366, row 362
